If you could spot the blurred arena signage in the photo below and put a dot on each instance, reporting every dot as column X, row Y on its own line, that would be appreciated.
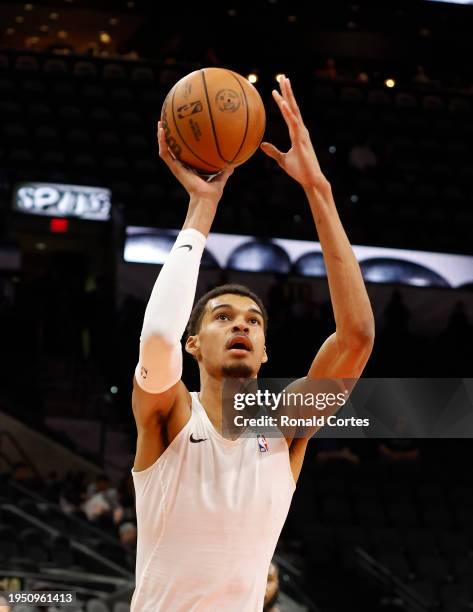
column 57, row 200
column 302, row 257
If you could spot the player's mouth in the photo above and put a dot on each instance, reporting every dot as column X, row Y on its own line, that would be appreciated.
column 239, row 346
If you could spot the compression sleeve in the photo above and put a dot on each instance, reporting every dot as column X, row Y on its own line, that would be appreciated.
column 167, row 313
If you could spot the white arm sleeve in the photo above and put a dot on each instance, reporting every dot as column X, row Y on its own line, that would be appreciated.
column 167, row 313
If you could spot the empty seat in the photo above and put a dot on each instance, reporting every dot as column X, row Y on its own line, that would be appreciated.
column 433, row 568
column 433, row 103
column 129, row 119
column 378, row 98
column 33, row 88
column 113, row 71
column 405, row 101
column 323, row 93
column 38, row 110
column 336, row 510
column 26, row 63
column 84, row 69
column 46, row 133
column 55, row 65
column 370, row 512
column 351, row 95
column 4, row 62
column 403, row 514
column 397, row 564
column 386, row 540
column 96, row 605
column 459, row 105
column 142, row 73
column 69, row 112
column 420, row 542
column 455, row 597
column 425, row 591
column 453, row 543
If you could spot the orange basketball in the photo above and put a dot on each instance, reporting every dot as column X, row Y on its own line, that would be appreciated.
column 212, row 118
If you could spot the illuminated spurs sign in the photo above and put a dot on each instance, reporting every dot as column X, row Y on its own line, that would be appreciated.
column 55, row 200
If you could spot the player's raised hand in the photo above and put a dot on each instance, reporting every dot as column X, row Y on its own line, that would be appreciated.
column 196, row 186
column 300, row 162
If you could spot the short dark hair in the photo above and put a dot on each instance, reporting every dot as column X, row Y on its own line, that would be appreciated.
column 197, row 313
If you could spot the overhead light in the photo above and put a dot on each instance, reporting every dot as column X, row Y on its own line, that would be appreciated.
column 62, row 34
column 44, row 28
column 10, row 31
column 231, row 12
column 113, row 21
column 252, row 77
column 54, row 16
column 279, row 76
column 292, row 18
column 29, row 7
column 105, row 38
column 130, row 4
column 41, row 246
column 332, row 149
column 390, row 83
column 19, row 19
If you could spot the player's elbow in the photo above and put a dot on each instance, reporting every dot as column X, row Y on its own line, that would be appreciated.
column 361, row 337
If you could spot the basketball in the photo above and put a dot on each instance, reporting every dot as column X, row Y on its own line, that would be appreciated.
column 213, row 118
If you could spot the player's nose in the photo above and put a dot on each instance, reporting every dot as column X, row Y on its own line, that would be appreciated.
column 240, row 326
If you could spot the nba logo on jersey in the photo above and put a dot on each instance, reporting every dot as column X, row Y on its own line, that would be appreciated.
column 263, row 444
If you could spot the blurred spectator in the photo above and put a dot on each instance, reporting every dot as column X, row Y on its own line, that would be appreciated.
column 102, row 503
column 328, row 71
column 420, row 77
column 399, row 450
column 362, row 157
column 272, row 589
column 127, row 533
column 329, row 450
column 72, row 493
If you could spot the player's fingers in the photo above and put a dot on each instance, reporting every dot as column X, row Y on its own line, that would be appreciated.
column 272, row 151
column 165, row 154
column 224, row 175
column 289, row 97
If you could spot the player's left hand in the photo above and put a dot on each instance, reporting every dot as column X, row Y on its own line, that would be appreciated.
column 300, row 162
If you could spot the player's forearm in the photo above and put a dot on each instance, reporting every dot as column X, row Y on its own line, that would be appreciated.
column 167, row 313
column 350, row 302
column 200, row 214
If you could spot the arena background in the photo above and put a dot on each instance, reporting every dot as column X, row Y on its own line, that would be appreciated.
column 387, row 93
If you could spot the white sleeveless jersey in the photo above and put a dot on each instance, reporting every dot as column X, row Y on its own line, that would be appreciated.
column 209, row 513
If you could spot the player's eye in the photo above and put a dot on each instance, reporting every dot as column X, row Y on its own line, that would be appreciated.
column 255, row 321
column 222, row 316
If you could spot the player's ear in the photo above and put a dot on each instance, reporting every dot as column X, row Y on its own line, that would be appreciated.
column 265, row 356
column 193, row 345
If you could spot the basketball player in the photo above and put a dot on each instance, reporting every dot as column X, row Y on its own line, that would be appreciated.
column 210, row 509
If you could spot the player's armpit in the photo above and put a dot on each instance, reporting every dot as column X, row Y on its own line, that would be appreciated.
column 147, row 407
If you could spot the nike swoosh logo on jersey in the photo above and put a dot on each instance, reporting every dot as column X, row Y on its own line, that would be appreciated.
column 195, row 440
column 183, row 246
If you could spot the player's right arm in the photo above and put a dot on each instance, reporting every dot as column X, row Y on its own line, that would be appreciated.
column 160, row 399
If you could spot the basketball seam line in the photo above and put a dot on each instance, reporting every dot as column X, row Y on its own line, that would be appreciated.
column 247, row 116
column 212, row 119
column 182, row 139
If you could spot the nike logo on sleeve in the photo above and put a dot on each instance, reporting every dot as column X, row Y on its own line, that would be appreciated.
column 184, row 246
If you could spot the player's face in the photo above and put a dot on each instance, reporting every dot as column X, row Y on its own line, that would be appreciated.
column 231, row 340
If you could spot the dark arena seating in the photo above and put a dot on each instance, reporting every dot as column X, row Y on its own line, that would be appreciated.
column 386, row 92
